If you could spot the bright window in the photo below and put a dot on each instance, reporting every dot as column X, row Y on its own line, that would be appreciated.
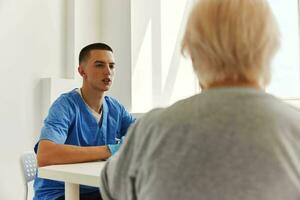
column 161, row 76
column 286, row 81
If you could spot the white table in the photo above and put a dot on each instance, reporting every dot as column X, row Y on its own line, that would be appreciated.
column 73, row 174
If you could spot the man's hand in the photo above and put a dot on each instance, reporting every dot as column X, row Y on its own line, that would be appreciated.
column 113, row 148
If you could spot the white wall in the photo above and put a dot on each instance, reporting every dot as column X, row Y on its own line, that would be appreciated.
column 32, row 47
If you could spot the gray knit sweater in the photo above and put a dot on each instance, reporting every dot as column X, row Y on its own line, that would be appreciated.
column 222, row 144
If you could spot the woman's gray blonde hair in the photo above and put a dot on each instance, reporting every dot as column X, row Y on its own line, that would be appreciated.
column 231, row 40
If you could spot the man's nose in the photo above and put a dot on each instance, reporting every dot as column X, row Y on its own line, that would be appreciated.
column 108, row 70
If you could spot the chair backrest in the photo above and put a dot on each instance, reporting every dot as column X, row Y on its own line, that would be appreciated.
column 29, row 169
column 29, row 165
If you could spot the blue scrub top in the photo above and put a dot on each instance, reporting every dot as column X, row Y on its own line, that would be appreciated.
column 70, row 121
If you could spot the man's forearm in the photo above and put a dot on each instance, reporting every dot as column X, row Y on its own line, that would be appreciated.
column 50, row 153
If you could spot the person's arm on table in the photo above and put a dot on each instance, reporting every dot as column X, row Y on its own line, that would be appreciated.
column 50, row 153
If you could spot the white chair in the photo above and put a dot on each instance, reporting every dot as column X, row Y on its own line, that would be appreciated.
column 29, row 168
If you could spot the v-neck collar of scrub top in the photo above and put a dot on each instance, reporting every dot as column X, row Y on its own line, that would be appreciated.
column 103, row 120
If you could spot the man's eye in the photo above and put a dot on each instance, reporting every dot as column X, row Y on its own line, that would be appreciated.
column 111, row 66
column 99, row 65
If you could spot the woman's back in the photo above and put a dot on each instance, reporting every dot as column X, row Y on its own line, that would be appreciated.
column 229, row 143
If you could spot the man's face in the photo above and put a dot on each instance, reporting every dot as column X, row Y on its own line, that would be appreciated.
column 98, row 70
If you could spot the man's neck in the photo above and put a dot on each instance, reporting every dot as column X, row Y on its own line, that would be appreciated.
column 93, row 98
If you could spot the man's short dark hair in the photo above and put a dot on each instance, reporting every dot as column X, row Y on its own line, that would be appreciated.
column 85, row 51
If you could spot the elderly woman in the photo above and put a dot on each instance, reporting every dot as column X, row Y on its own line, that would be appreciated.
column 232, row 141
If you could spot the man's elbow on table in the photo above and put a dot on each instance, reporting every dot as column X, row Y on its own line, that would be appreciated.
column 45, row 153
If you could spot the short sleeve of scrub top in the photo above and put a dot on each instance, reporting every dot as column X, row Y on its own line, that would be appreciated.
column 57, row 122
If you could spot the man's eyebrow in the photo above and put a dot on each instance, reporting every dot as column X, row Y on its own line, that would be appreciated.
column 102, row 62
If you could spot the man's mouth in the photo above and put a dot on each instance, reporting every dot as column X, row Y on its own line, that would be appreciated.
column 106, row 80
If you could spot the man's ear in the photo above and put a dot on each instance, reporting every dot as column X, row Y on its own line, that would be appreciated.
column 81, row 71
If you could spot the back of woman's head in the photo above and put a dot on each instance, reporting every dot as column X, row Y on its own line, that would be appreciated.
column 231, row 40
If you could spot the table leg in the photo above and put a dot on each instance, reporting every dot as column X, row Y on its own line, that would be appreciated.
column 71, row 191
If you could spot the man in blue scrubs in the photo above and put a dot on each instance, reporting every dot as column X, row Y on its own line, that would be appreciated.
column 83, row 124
